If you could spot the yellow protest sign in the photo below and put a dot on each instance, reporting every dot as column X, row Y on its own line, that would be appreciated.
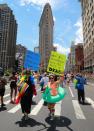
column 57, row 63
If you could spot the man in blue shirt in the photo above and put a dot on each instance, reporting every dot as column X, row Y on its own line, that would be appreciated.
column 80, row 88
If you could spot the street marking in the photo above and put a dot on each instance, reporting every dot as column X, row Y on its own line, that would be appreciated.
column 37, row 108
column 7, row 86
column 6, row 102
column 6, row 95
column 90, row 101
column 15, row 109
column 71, row 92
column 78, row 112
column 91, row 84
column 58, row 108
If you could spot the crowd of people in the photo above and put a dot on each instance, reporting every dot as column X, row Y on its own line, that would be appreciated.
column 24, row 85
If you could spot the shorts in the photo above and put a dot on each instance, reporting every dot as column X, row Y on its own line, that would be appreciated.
column 2, row 92
column 13, row 86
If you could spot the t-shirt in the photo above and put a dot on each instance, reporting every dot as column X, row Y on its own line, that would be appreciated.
column 45, row 80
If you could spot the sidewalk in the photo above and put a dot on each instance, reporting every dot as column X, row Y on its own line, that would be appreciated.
column 90, row 83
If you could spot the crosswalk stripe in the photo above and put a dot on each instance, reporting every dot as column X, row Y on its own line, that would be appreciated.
column 6, row 102
column 58, row 108
column 37, row 108
column 71, row 92
column 91, row 84
column 78, row 112
column 15, row 109
column 7, row 86
column 90, row 101
column 6, row 95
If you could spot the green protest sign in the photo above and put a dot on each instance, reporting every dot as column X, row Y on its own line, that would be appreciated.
column 57, row 63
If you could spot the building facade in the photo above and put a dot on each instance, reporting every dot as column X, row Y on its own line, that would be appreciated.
column 68, row 64
column 88, row 33
column 72, row 50
column 20, row 56
column 8, row 33
column 46, row 36
column 79, row 58
column 36, row 49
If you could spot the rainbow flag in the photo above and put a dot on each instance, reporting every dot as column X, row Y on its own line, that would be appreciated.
column 22, row 90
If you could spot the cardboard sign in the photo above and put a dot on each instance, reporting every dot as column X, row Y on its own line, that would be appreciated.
column 56, row 63
column 32, row 60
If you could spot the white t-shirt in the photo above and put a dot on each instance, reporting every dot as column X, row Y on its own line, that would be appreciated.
column 45, row 79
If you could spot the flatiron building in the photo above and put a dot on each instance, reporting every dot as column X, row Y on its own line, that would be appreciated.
column 46, row 36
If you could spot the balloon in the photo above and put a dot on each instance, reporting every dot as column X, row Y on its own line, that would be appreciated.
column 53, row 99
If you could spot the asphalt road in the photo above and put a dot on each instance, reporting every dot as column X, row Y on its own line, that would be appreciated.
column 69, row 115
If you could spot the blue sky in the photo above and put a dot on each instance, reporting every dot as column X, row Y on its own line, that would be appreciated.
column 67, row 21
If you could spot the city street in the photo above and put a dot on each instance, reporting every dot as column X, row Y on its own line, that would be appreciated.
column 45, row 43
column 69, row 114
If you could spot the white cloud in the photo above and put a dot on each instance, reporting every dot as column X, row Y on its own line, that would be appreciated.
column 61, row 49
column 39, row 2
column 54, row 18
column 79, row 32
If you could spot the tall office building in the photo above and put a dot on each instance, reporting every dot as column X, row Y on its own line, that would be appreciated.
column 79, row 57
column 72, row 49
column 88, row 33
column 8, row 33
column 46, row 35
column 20, row 56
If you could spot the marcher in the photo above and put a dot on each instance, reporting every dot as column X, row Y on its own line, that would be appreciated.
column 44, row 81
column 13, row 87
column 53, row 85
column 26, row 99
column 53, row 93
column 3, row 82
column 80, row 88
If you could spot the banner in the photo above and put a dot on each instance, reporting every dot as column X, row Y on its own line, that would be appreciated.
column 57, row 63
column 32, row 60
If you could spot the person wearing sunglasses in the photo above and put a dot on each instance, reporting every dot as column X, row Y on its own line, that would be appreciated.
column 53, row 84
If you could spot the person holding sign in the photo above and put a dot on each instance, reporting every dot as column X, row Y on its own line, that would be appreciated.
column 52, row 94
